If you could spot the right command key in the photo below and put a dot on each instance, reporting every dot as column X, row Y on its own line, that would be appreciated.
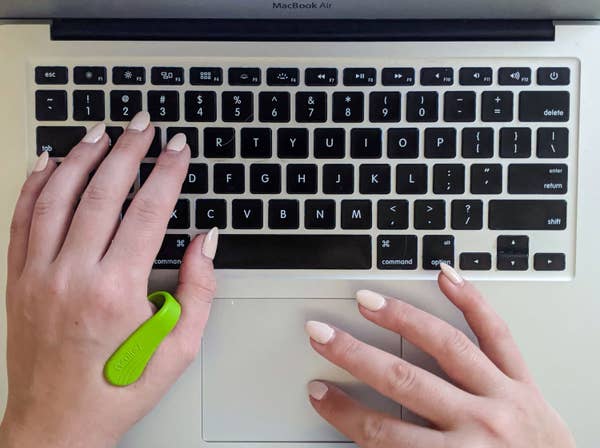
column 544, row 106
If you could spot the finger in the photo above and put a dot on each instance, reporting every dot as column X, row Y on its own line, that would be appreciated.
column 365, row 426
column 492, row 332
column 456, row 354
column 21, row 221
column 55, row 205
column 98, row 211
column 422, row 392
column 143, row 228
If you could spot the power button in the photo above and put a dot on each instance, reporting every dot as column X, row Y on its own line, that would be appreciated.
column 553, row 76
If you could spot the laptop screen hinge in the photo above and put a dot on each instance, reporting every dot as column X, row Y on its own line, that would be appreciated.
column 301, row 30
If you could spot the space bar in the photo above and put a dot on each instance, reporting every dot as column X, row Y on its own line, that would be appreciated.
column 293, row 252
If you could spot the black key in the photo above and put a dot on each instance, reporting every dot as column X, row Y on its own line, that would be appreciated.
column 196, row 181
column 163, row 105
column 171, row 251
column 88, row 105
column 476, row 261
column 301, row 178
column 128, row 75
column 320, row 76
column 496, row 106
column 512, row 253
column 421, row 107
column 438, row 76
column 477, row 143
column 437, row 249
column 219, row 143
column 537, row 178
column 89, row 75
column 486, row 178
column 265, row 178
column 553, row 76
column 167, row 76
column 384, row 107
column 256, row 143
column 514, row 76
column 292, row 143
column 338, row 179
column 430, row 214
column 51, row 105
column 58, row 141
column 549, row 261
column 283, row 214
column 211, row 213
column 403, row 143
column 398, row 252
column 124, row 104
column 319, row 214
column 293, row 252
column 311, row 107
column 398, row 76
column 527, row 215
column 180, row 216
column 440, row 143
column 411, row 179
column 156, row 145
column 274, row 107
column 475, row 76
column 237, row 106
column 348, row 107
column 200, row 106
column 228, row 178
column 329, row 143
column 191, row 135
column 544, row 106
column 145, row 170
column 244, row 76
column 374, row 179
column 552, row 143
column 459, row 106
column 448, row 178
column 365, row 143
column 467, row 214
column 247, row 214
column 356, row 214
column 51, row 75
column 392, row 214
column 515, row 143
column 360, row 76
column 283, row 76
column 206, row 76
column 113, row 132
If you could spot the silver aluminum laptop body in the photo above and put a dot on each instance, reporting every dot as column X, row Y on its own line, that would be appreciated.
column 247, row 388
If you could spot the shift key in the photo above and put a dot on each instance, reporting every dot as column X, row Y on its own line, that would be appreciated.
column 544, row 106
column 534, row 214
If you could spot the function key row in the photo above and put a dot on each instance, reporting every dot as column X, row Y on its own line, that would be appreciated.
column 316, row 76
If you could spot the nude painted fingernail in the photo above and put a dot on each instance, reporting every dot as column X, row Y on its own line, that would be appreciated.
column 317, row 389
column 177, row 142
column 318, row 331
column 451, row 274
column 140, row 122
column 370, row 300
column 41, row 162
column 94, row 134
column 211, row 241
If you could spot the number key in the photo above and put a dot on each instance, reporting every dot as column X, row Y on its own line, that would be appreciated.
column 200, row 106
column 274, row 107
column 238, row 106
column 384, row 107
column 311, row 107
column 421, row 106
column 88, row 105
column 124, row 104
column 348, row 107
column 163, row 105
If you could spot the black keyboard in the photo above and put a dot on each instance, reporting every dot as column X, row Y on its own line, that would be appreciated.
column 347, row 168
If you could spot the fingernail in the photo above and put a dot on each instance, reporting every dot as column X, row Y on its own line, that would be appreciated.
column 94, row 134
column 370, row 300
column 317, row 389
column 211, row 240
column 318, row 331
column 451, row 274
column 41, row 162
column 140, row 122
column 177, row 142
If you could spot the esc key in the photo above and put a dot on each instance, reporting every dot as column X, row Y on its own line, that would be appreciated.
column 51, row 75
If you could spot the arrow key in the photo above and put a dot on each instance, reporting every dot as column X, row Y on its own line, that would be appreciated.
column 549, row 262
column 475, row 261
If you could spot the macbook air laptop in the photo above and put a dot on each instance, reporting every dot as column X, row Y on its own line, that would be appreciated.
column 338, row 145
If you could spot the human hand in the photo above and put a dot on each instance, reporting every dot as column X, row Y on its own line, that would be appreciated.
column 493, row 402
column 77, row 287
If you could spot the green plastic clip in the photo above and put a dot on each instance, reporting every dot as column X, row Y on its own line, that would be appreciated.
column 128, row 362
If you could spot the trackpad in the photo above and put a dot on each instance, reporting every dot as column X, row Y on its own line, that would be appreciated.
column 257, row 360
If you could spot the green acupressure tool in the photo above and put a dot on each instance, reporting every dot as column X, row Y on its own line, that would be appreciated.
column 128, row 362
